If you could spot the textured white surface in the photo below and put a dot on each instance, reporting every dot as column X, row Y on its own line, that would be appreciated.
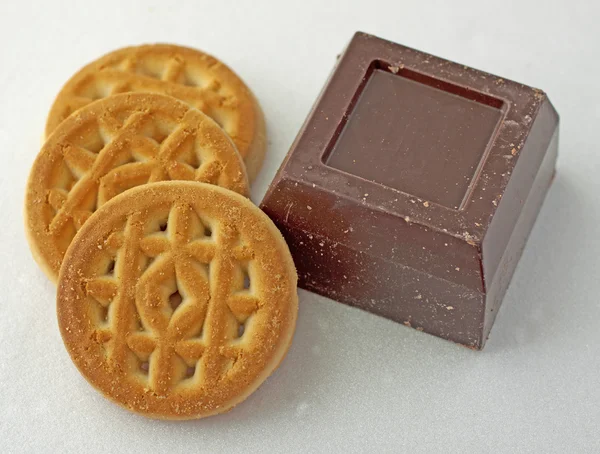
column 352, row 382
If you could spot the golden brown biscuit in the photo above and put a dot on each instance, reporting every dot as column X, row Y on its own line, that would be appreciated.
column 110, row 146
column 192, row 76
column 177, row 299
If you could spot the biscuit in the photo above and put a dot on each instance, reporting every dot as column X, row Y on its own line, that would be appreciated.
column 110, row 146
column 177, row 299
column 192, row 76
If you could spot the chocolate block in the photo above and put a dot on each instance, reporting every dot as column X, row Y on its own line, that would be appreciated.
column 412, row 187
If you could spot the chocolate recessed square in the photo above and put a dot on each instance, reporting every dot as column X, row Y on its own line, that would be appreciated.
column 412, row 187
column 401, row 132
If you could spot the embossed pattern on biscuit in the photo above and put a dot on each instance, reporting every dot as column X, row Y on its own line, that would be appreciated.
column 187, row 74
column 110, row 146
column 177, row 299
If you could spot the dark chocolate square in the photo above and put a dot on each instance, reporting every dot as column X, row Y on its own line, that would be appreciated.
column 413, row 185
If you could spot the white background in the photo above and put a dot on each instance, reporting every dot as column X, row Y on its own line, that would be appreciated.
column 352, row 382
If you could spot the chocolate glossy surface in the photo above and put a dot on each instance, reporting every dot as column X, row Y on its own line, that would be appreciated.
column 412, row 187
column 402, row 132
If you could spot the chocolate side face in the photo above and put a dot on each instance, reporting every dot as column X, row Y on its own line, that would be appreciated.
column 398, row 176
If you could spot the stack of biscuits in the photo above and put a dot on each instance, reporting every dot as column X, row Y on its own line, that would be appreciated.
column 176, row 295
